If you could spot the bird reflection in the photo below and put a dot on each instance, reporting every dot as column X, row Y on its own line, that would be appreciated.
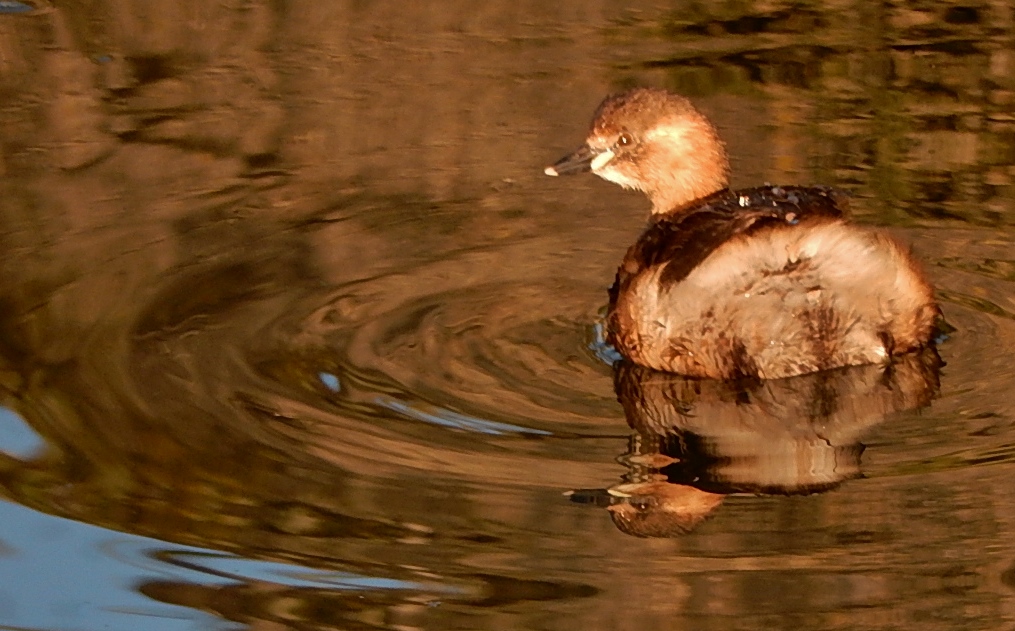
column 697, row 441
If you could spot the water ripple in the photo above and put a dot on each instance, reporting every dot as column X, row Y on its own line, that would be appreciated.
column 447, row 418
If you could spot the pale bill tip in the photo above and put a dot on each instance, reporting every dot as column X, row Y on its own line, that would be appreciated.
column 551, row 171
column 601, row 160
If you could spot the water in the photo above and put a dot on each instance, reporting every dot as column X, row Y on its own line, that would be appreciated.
column 295, row 333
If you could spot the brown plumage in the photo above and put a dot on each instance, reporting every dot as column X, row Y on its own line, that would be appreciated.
column 766, row 282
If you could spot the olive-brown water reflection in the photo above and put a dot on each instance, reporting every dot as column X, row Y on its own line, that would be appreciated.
column 697, row 441
column 284, row 282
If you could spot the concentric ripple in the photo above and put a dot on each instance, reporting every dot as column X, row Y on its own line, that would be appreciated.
column 504, row 350
column 500, row 341
column 495, row 341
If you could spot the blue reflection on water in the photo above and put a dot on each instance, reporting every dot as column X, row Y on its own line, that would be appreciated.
column 447, row 418
column 241, row 570
column 603, row 350
column 330, row 381
column 10, row 6
column 57, row 574
column 60, row 574
column 17, row 438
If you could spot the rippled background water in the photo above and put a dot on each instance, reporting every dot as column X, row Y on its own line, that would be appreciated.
column 294, row 333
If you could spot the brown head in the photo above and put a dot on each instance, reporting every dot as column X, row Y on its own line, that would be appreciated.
column 656, row 142
column 662, row 509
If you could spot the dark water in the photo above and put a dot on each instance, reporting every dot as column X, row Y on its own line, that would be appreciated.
column 294, row 333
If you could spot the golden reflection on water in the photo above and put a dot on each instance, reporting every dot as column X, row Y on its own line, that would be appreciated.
column 286, row 280
column 697, row 441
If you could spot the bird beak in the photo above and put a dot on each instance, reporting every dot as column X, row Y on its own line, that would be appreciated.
column 584, row 159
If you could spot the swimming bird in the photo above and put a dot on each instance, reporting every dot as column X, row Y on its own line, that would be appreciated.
column 765, row 282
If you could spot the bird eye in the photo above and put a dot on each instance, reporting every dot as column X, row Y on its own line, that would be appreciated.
column 624, row 140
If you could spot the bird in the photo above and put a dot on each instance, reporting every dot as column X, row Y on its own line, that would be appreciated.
column 762, row 283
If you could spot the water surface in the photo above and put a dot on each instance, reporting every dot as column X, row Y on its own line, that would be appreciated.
column 295, row 333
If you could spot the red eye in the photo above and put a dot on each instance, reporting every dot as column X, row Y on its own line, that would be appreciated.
column 624, row 140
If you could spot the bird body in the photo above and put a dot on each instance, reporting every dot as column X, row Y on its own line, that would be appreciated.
column 766, row 282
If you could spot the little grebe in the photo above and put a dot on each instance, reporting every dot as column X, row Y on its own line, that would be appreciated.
column 766, row 282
